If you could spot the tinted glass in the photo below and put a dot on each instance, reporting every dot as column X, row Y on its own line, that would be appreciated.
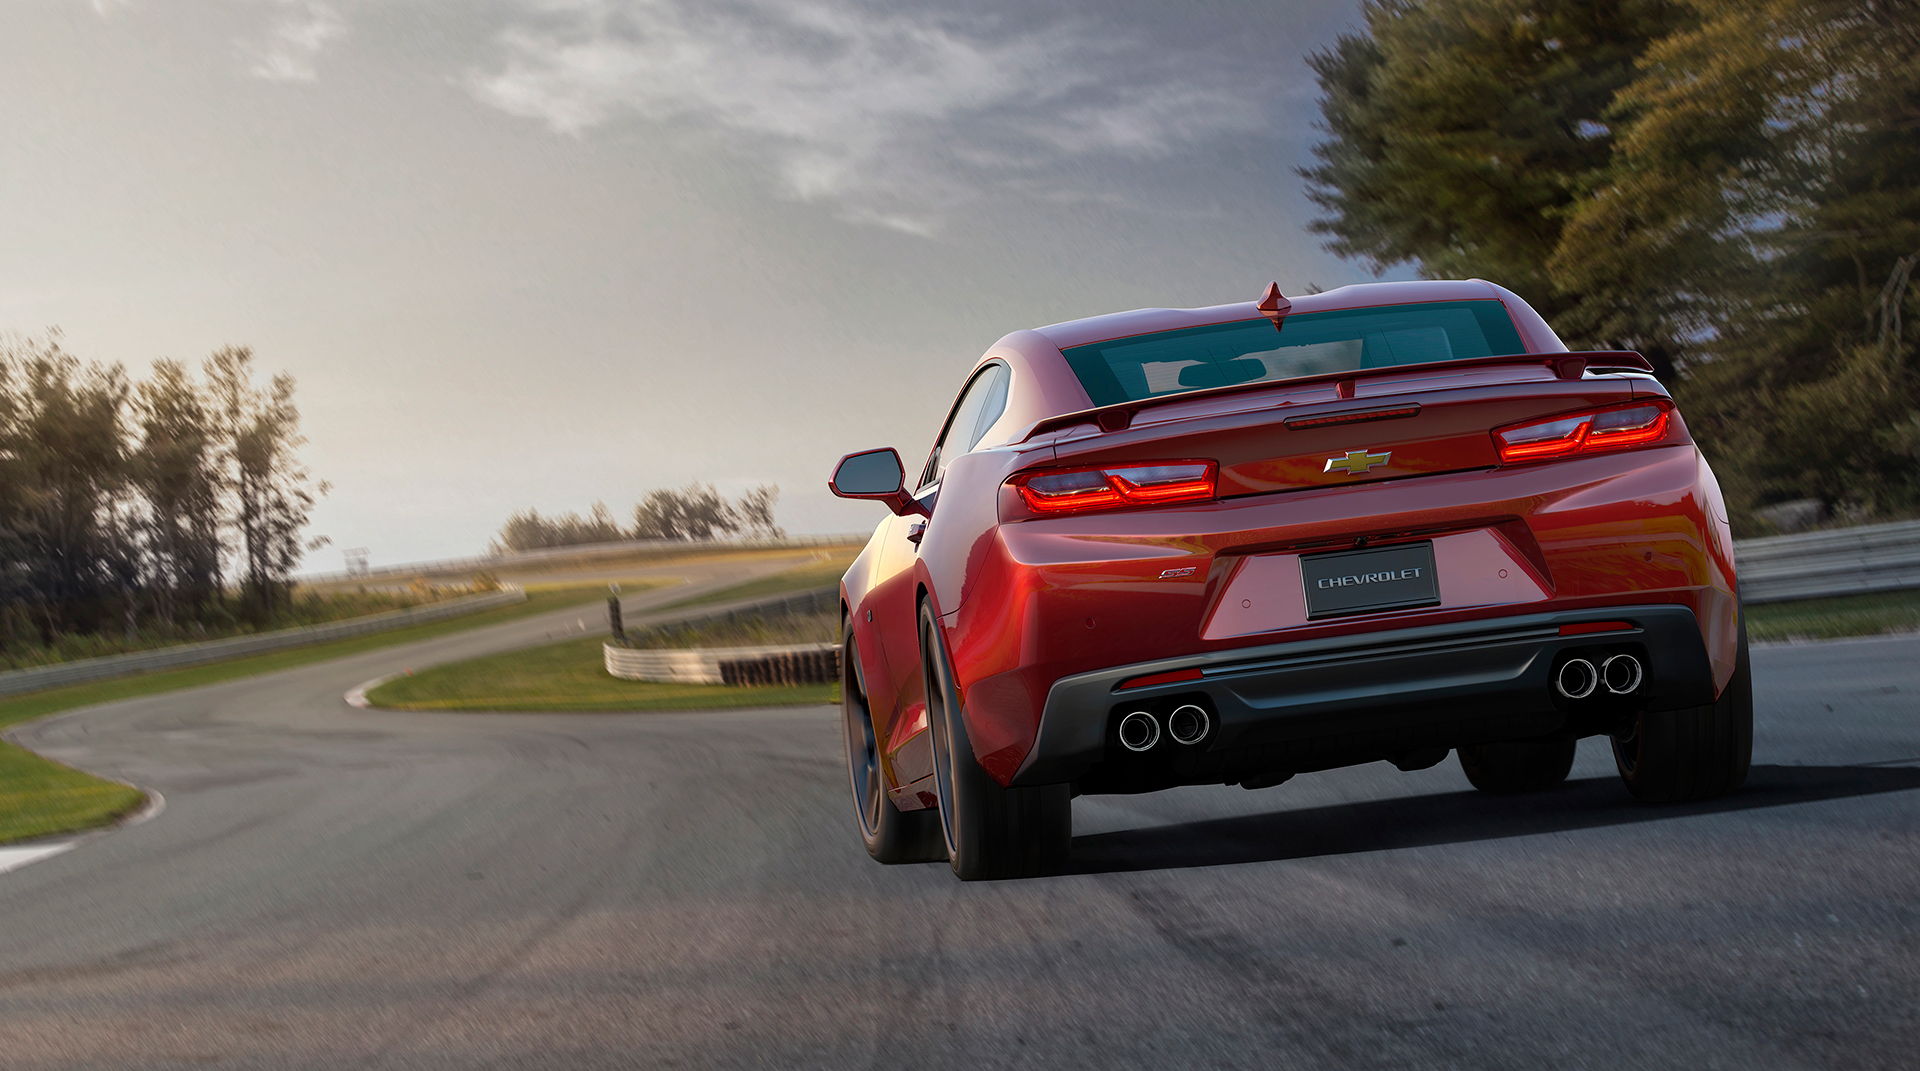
column 985, row 399
column 1313, row 343
column 875, row 472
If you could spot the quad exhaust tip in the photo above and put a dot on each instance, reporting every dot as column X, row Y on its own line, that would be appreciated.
column 1188, row 724
column 1139, row 731
column 1621, row 673
column 1576, row 679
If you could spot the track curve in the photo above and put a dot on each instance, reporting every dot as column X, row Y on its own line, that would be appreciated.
column 332, row 887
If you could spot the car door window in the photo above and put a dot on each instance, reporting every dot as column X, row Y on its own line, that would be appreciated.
column 980, row 405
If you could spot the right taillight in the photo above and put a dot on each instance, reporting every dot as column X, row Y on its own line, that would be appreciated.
column 1617, row 427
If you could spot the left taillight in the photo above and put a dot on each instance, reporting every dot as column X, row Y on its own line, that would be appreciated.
column 1616, row 427
column 1150, row 483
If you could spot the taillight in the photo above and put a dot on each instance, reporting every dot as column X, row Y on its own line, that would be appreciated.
column 1112, row 486
column 1613, row 428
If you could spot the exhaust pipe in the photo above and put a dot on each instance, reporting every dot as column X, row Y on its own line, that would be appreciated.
column 1139, row 731
column 1621, row 673
column 1577, row 678
column 1188, row 724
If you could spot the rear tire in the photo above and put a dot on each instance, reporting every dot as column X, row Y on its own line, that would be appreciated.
column 889, row 834
column 1696, row 752
column 1510, row 767
column 989, row 831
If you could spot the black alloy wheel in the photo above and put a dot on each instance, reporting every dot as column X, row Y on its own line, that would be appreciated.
column 990, row 831
column 889, row 834
column 1667, row 756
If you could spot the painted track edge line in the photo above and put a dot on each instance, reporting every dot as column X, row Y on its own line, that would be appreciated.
column 356, row 696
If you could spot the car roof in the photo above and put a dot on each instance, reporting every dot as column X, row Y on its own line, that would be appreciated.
column 1045, row 386
column 1356, row 296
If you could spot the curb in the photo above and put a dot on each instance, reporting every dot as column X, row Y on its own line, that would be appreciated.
column 356, row 696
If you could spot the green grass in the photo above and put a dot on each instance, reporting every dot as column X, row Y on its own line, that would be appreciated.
column 570, row 676
column 304, row 609
column 39, row 798
column 1826, row 619
column 815, row 574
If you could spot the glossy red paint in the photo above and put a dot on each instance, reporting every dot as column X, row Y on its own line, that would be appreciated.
column 1028, row 599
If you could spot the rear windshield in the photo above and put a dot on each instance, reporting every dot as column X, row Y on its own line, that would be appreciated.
column 1312, row 343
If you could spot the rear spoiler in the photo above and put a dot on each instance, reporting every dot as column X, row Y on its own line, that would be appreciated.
column 1563, row 365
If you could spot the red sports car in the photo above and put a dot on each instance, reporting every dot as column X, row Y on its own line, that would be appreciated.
column 1233, row 544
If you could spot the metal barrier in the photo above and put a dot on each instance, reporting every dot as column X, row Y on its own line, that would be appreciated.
column 704, row 665
column 1806, row 565
column 1842, row 561
column 86, row 670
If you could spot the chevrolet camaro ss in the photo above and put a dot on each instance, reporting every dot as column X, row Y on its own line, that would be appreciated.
column 1233, row 544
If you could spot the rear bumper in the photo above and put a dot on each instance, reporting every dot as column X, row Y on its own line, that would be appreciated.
column 1317, row 704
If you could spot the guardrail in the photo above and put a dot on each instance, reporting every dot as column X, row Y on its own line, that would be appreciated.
column 1806, row 565
column 703, row 665
column 583, row 550
column 1842, row 561
column 87, row 670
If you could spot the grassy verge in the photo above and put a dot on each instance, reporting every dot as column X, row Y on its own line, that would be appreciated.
column 1827, row 619
column 40, row 798
column 570, row 676
column 304, row 609
column 814, row 574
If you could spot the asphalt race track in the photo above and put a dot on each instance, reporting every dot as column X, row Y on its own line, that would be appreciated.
column 332, row 888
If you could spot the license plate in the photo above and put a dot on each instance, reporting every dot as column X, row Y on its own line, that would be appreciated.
column 1365, row 581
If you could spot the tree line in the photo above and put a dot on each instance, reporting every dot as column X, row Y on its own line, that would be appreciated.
column 170, row 503
column 1731, row 187
column 694, row 512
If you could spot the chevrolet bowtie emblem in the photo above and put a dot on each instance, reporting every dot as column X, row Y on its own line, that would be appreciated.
column 1356, row 462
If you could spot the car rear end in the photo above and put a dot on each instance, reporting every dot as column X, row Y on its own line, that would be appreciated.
column 1378, row 533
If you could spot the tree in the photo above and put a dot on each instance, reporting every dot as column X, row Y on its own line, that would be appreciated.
column 528, row 530
column 754, row 512
column 1768, row 176
column 65, row 443
column 176, row 471
column 1462, row 133
column 272, row 493
column 694, row 512
column 1731, row 187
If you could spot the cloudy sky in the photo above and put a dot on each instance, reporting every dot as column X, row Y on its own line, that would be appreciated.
column 541, row 252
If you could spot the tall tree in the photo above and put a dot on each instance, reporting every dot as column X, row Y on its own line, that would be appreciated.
column 67, row 441
column 1462, row 133
column 1766, row 191
column 176, row 468
column 272, row 493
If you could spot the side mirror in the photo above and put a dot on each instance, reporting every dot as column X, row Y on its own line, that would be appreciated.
column 878, row 475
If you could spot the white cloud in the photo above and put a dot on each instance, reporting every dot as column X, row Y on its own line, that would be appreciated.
column 298, row 36
column 893, row 119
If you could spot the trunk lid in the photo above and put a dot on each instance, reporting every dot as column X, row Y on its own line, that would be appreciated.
column 1415, row 422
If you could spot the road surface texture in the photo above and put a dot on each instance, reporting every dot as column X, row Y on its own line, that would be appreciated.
column 332, row 888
